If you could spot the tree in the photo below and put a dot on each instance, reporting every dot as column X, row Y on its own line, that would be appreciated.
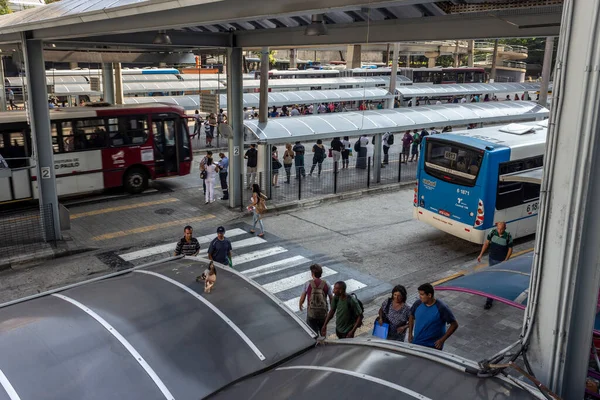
column 4, row 7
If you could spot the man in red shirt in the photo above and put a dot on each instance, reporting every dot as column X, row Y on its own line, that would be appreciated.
column 317, row 291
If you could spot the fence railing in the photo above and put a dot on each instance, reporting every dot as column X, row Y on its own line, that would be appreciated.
column 23, row 232
column 308, row 180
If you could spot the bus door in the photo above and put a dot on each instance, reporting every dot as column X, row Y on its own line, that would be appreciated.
column 164, row 128
column 170, row 143
column 15, row 149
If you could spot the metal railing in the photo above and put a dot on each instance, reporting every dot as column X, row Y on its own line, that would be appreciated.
column 23, row 233
column 300, row 182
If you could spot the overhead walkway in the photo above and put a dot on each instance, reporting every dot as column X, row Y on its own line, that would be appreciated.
column 326, row 126
column 466, row 89
column 275, row 98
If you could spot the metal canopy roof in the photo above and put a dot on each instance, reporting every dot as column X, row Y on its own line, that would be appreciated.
column 375, row 369
column 148, row 334
column 391, row 120
column 275, row 98
column 529, row 176
column 368, row 81
column 314, row 96
column 17, row 81
column 466, row 89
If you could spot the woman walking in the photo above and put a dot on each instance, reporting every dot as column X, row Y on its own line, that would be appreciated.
column 346, row 152
column 258, row 208
column 275, row 165
column 318, row 157
column 211, row 122
column 211, row 170
column 396, row 313
column 288, row 158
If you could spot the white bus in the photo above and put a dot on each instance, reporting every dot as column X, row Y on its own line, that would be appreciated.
column 467, row 181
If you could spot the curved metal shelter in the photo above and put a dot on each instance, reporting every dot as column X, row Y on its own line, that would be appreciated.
column 373, row 122
column 151, row 333
column 466, row 89
column 17, row 81
column 374, row 369
column 368, row 81
column 275, row 98
column 74, row 90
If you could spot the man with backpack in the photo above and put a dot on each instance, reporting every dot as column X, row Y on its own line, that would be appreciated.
column 348, row 312
column 317, row 291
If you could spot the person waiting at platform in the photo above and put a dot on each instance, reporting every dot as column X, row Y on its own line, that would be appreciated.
column 318, row 157
column 361, row 152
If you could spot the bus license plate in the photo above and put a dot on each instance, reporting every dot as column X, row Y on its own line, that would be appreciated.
column 444, row 213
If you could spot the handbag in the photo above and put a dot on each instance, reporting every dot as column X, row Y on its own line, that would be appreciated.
column 381, row 331
column 330, row 152
column 203, row 174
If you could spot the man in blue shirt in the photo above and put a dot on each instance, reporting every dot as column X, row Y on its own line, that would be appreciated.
column 428, row 318
column 223, row 169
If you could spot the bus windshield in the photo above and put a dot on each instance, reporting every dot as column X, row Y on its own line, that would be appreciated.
column 453, row 162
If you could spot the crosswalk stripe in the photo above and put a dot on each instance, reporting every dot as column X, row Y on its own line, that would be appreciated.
column 294, row 280
column 351, row 286
column 256, row 255
column 247, row 242
column 170, row 247
column 276, row 266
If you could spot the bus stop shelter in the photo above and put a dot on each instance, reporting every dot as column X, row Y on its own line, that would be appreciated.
column 466, row 89
column 377, row 122
column 278, row 99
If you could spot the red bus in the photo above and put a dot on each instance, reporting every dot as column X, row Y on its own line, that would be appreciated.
column 97, row 147
column 449, row 75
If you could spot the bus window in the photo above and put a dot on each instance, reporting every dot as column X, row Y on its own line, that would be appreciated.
column 91, row 134
column 452, row 162
column 128, row 130
column 13, row 147
column 185, row 151
column 513, row 194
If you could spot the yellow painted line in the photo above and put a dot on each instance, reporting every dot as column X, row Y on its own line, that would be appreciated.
column 121, row 208
column 449, row 278
column 154, row 227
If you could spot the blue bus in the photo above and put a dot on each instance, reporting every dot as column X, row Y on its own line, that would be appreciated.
column 467, row 181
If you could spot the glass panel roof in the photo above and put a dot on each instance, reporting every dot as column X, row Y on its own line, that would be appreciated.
column 391, row 120
column 466, row 89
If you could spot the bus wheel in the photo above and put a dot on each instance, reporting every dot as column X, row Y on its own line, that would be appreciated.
column 136, row 180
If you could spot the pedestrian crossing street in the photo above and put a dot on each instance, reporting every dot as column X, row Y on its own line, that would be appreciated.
column 280, row 266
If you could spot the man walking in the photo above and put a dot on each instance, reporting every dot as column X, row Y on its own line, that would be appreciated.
column 317, row 291
column 223, row 170
column 188, row 245
column 500, row 243
column 429, row 317
column 220, row 248
column 348, row 313
column 252, row 157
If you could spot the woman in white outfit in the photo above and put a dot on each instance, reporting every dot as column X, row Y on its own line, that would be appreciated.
column 211, row 173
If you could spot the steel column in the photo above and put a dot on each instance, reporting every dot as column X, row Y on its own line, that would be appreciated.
column 3, row 91
column 118, row 83
column 377, row 155
column 263, row 105
column 236, row 120
column 546, row 70
column 565, row 278
column 108, row 83
column 494, row 62
column 39, row 118
column 394, row 75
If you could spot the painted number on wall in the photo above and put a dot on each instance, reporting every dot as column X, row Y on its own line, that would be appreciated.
column 236, row 150
column 45, row 171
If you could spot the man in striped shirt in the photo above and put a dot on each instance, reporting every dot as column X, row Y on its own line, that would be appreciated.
column 188, row 245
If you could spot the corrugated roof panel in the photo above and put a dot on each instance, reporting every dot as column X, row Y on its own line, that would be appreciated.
column 466, row 89
column 326, row 126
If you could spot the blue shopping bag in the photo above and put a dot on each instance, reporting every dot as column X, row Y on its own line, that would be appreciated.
column 381, row 331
